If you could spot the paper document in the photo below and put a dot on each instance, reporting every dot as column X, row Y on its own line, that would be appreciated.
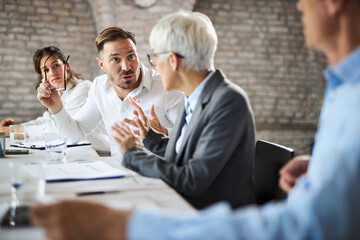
column 77, row 171
column 40, row 145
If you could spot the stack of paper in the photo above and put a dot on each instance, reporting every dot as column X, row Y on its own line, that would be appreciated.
column 76, row 171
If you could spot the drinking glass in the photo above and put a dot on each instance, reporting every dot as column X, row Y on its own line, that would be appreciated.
column 2, row 145
column 17, row 134
column 55, row 148
column 26, row 186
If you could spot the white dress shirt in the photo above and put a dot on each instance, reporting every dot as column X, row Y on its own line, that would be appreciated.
column 73, row 98
column 103, row 103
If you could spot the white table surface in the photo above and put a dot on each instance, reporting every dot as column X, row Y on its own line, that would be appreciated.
column 133, row 191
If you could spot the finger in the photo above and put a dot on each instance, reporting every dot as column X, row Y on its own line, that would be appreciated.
column 152, row 112
column 141, row 126
column 286, row 168
column 285, row 186
column 118, row 141
column 134, row 99
column 287, row 175
column 126, row 129
column 129, row 121
column 137, row 106
column 116, row 129
column 45, row 85
column 43, row 91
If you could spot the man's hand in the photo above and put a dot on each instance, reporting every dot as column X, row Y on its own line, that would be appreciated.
column 72, row 219
column 49, row 98
column 125, row 138
column 295, row 168
column 7, row 122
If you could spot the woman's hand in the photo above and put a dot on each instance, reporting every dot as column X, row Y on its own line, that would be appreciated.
column 125, row 138
column 142, row 122
column 49, row 98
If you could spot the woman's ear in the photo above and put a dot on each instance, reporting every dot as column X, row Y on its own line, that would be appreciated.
column 174, row 61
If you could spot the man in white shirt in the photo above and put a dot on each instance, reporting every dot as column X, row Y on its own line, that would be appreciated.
column 108, row 97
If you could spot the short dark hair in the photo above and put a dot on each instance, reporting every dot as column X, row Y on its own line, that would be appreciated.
column 55, row 51
column 111, row 34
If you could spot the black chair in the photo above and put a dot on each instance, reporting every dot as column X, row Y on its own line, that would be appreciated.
column 269, row 158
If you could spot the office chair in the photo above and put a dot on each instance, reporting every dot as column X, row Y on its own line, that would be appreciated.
column 269, row 159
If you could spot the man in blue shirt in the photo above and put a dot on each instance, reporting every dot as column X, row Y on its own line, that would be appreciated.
column 324, row 193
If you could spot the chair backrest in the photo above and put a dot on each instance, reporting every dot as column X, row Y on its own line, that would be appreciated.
column 269, row 158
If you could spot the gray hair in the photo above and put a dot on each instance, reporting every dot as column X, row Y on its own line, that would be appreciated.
column 190, row 34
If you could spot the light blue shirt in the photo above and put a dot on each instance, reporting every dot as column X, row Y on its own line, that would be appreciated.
column 189, row 104
column 325, row 204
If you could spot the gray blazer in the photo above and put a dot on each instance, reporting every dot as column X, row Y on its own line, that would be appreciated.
column 215, row 160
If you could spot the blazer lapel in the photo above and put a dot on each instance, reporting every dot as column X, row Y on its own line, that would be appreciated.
column 196, row 116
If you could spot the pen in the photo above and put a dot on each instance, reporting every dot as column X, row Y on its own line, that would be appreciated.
column 80, row 194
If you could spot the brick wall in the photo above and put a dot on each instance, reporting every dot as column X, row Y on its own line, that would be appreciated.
column 140, row 21
column 26, row 25
column 261, row 48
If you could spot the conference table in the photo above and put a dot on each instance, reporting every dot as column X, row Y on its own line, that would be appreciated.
column 130, row 192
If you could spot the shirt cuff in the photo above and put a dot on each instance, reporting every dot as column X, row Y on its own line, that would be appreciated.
column 60, row 116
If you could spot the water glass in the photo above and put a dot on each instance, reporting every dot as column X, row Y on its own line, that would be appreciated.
column 26, row 187
column 55, row 148
column 2, row 145
column 17, row 134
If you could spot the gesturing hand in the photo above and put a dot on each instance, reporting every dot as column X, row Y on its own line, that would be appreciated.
column 142, row 122
column 292, row 171
column 155, row 123
column 125, row 138
column 49, row 98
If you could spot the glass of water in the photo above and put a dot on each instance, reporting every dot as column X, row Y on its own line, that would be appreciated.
column 27, row 182
column 55, row 148
column 17, row 134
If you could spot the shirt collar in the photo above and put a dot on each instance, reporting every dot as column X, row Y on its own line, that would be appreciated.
column 347, row 70
column 145, row 81
column 191, row 101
